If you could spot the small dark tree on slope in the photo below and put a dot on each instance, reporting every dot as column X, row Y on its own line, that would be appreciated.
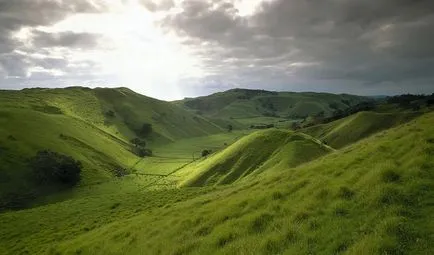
column 139, row 147
column 230, row 128
column 145, row 130
column 138, row 142
column 206, row 153
column 53, row 168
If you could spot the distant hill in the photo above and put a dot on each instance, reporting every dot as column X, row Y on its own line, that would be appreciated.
column 245, row 103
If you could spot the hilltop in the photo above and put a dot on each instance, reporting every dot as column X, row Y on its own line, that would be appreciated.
column 246, row 103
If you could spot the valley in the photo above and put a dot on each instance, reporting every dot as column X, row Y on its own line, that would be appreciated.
column 237, row 172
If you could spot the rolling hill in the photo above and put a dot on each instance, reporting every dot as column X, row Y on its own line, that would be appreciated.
column 253, row 154
column 372, row 197
column 243, row 103
column 75, row 121
column 274, row 191
column 351, row 129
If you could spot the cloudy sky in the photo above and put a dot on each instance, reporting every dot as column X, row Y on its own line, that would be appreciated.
column 170, row 49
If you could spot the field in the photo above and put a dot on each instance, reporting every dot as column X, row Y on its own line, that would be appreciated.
column 359, row 185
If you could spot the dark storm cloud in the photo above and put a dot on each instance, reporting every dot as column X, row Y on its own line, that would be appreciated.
column 13, row 65
column 370, row 42
column 363, row 47
column 216, row 21
column 18, row 14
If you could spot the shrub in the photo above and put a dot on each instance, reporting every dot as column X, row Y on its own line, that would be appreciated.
column 142, row 152
column 52, row 167
column 206, row 153
column 145, row 130
column 138, row 142
column 139, row 147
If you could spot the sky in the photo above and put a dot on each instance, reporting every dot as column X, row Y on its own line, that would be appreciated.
column 171, row 49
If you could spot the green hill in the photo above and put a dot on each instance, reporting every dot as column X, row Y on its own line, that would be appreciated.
column 93, row 126
column 253, row 154
column 373, row 197
column 243, row 103
column 348, row 130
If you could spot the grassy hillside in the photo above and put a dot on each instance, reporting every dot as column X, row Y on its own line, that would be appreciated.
column 168, row 121
column 74, row 121
column 243, row 103
column 262, row 150
column 373, row 197
column 351, row 129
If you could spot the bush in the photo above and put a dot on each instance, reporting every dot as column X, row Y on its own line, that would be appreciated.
column 145, row 130
column 139, row 147
column 138, row 142
column 52, row 167
column 206, row 153
column 142, row 152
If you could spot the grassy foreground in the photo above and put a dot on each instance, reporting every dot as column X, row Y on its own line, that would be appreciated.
column 372, row 197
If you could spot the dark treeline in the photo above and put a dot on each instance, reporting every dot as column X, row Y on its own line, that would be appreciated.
column 405, row 102
column 412, row 101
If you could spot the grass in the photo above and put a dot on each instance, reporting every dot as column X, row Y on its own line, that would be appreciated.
column 253, row 154
column 245, row 104
column 310, row 209
column 73, row 121
column 171, row 157
column 358, row 126
column 279, row 192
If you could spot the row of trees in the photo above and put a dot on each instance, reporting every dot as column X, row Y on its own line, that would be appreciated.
column 414, row 102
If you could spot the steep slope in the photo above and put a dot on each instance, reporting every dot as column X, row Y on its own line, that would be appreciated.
column 262, row 150
column 374, row 197
column 168, row 120
column 358, row 126
column 244, row 103
column 74, row 121
column 23, row 132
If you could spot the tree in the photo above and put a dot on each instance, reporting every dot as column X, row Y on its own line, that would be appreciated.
column 138, row 142
column 52, row 167
column 142, row 152
column 139, row 147
column 206, row 153
column 230, row 128
column 145, row 130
